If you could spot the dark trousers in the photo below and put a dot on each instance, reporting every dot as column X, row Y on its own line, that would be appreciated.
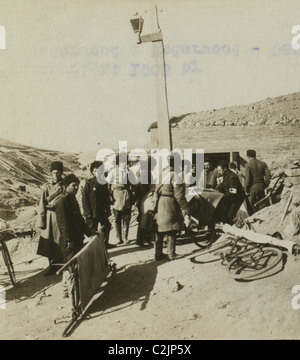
column 142, row 235
column 70, row 249
column 122, row 221
column 93, row 224
column 231, row 208
column 171, row 243
column 257, row 192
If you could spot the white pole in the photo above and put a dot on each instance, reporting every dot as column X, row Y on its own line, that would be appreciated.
column 163, row 124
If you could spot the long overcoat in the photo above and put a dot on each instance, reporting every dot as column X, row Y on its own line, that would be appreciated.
column 95, row 200
column 172, row 205
column 71, row 224
column 49, row 242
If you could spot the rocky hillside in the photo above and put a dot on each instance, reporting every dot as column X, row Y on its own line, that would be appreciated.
column 23, row 170
column 271, row 111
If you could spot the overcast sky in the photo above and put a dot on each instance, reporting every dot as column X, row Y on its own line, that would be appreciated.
column 73, row 78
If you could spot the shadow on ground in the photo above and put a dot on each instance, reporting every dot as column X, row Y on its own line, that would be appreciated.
column 127, row 249
column 31, row 286
column 129, row 285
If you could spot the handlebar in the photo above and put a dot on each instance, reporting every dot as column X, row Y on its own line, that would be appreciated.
column 7, row 234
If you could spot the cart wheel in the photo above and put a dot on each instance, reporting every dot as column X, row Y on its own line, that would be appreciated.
column 254, row 263
column 9, row 264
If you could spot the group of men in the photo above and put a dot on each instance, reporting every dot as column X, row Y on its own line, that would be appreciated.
column 59, row 217
column 236, row 187
column 64, row 226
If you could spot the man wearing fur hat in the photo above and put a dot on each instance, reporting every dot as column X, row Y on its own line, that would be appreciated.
column 71, row 225
column 257, row 177
column 49, row 245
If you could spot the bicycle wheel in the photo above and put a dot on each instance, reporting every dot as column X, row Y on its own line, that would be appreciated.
column 202, row 239
column 9, row 264
column 254, row 262
column 213, row 253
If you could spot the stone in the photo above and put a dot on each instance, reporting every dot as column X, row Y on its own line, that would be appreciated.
column 296, row 220
column 177, row 287
column 219, row 123
column 295, row 180
column 293, row 172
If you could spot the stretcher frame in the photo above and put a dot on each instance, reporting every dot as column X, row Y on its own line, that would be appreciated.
column 77, row 312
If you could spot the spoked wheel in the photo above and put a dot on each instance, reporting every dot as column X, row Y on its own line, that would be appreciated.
column 202, row 239
column 9, row 264
column 206, row 238
column 254, row 262
column 214, row 252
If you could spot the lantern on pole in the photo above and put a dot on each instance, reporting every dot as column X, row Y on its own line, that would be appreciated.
column 137, row 22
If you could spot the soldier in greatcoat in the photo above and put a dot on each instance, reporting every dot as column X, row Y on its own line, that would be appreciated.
column 49, row 245
column 71, row 225
column 172, row 209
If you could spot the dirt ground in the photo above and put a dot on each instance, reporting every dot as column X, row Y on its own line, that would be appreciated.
column 141, row 299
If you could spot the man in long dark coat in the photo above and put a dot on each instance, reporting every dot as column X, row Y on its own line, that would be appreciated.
column 71, row 224
column 49, row 245
column 96, row 204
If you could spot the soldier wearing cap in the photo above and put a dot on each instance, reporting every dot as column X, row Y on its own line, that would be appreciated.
column 49, row 245
column 257, row 177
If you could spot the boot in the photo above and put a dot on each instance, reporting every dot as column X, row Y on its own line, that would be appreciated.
column 51, row 270
column 119, row 233
column 139, row 236
column 159, row 255
column 172, row 247
column 125, row 231
column 106, row 234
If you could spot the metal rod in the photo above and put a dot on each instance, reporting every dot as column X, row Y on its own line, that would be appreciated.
column 66, row 265
column 286, row 209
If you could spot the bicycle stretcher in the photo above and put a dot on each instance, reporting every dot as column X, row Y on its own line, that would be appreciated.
column 88, row 269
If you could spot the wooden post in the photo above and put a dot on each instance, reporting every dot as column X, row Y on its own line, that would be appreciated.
column 163, row 124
